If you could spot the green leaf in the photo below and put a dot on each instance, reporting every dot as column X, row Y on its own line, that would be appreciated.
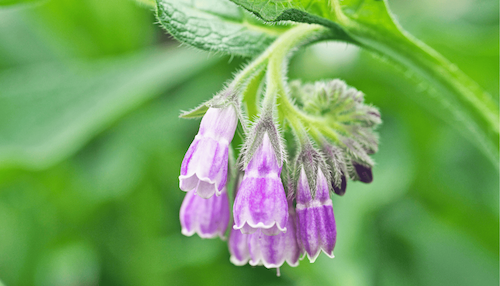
column 147, row 3
column 48, row 111
column 369, row 24
column 16, row 2
column 218, row 25
column 93, row 28
column 303, row 11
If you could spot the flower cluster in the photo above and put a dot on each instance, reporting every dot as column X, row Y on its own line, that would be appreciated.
column 272, row 224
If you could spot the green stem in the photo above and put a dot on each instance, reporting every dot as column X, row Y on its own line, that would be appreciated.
column 275, row 86
column 250, row 95
column 469, row 103
column 274, row 56
column 293, row 38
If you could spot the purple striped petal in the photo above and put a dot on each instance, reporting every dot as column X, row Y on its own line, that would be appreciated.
column 206, row 217
column 219, row 124
column 273, row 251
column 266, row 250
column 316, row 229
column 238, row 247
column 293, row 251
column 261, row 202
column 205, row 164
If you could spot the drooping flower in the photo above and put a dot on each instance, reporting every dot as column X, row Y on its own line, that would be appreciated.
column 238, row 247
column 316, row 229
column 273, row 251
column 261, row 202
column 205, row 165
column 206, row 217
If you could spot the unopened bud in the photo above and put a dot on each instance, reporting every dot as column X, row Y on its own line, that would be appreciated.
column 364, row 173
column 340, row 190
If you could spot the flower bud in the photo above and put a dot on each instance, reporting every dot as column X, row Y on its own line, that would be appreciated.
column 363, row 172
column 340, row 189
column 316, row 229
column 205, row 164
column 336, row 160
column 206, row 217
column 261, row 202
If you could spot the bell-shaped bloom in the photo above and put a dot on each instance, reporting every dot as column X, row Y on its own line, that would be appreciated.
column 207, row 217
column 316, row 228
column 273, row 251
column 261, row 202
column 238, row 247
column 205, row 164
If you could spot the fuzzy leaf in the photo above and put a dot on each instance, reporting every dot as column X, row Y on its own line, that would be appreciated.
column 303, row 11
column 216, row 25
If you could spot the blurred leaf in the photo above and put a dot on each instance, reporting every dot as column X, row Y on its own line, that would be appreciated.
column 446, row 256
column 71, row 265
column 147, row 3
column 216, row 25
column 92, row 28
column 50, row 110
column 147, row 142
column 16, row 2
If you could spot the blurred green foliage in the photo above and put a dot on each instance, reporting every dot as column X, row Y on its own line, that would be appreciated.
column 91, row 144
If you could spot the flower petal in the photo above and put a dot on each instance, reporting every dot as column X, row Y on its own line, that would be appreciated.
column 206, row 217
column 238, row 247
column 261, row 204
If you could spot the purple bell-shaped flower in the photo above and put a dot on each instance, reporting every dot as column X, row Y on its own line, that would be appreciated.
column 238, row 247
column 207, row 217
column 261, row 202
column 204, row 168
column 273, row 251
column 316, row 229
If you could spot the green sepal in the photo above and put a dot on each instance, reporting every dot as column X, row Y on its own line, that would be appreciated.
column 196, row 112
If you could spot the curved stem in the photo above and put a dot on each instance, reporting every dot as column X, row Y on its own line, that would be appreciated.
column 274, row 56
column 474, row 110
column 279, row 50
column 275, row 86
column 250, row 95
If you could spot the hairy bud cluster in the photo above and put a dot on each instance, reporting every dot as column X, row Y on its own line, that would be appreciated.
column 356, row 121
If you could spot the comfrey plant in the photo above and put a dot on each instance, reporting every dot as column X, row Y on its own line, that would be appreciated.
column 281, row 191
column 334, row 137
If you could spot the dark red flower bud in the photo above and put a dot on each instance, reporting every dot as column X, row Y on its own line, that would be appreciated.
column 364, row 172
column 340, row 190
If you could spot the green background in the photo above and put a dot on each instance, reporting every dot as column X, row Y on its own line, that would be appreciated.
column 91, row 146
